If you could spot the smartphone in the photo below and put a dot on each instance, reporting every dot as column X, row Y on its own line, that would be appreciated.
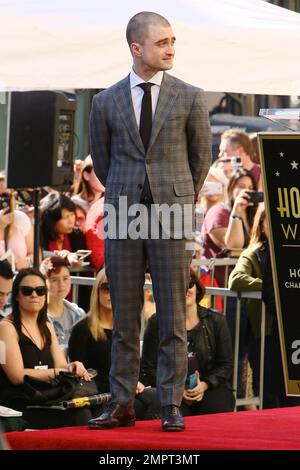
column 255, row 196
column 83, row 254
column 211, row 188
column 5, row 202
column 191, row 381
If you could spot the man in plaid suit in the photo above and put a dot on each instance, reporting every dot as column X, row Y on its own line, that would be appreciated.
column 166, row 167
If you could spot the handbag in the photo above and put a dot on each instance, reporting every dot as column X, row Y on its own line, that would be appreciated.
column 65, row 386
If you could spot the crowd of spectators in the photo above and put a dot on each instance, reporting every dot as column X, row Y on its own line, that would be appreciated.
column 41, row 326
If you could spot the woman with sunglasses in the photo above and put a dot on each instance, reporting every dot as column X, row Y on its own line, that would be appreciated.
column 31, row 348
column 90, row 342
column 208, row 386
column 88, row 194
column 88, row 189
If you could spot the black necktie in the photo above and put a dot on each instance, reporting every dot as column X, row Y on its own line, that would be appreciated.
column 145, row 133
column 146, row 114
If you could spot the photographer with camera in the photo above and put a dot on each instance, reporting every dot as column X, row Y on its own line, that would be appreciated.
column 236, row 145
column 208, row 384
column 227, row 225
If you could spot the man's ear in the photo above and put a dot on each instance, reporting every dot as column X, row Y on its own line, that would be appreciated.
column 135, row 48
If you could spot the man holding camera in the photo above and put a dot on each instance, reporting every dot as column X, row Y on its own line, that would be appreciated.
column 236, row 146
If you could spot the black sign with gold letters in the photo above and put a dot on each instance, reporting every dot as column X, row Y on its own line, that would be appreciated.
column 280, row 158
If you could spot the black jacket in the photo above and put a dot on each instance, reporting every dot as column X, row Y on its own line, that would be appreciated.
column 212, row 345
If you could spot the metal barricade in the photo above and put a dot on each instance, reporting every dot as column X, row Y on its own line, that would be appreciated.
column 224, row 292
column 211, row 264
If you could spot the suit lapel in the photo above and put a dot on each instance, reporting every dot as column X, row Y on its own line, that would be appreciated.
column 124, row 104
column 167, row 96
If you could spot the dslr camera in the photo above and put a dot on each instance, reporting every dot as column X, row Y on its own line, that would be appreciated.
column 236, row 162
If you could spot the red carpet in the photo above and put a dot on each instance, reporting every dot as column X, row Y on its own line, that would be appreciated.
column 246, row 430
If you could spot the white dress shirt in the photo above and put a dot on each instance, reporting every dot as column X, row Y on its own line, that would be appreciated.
column 137, row 92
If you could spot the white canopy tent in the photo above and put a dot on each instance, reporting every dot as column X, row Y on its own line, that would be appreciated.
column 245, row 46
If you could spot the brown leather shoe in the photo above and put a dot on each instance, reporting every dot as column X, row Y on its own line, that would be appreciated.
column 114, row 416
column 171, row 419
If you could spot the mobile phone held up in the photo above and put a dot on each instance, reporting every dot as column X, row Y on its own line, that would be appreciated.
column 191, row 381
column 82, row 254
column 255, row 196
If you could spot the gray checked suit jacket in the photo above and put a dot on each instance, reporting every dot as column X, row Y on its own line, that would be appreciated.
column 179, row 152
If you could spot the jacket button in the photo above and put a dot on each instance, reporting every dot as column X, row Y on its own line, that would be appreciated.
column 140, row 186
column 148, row 160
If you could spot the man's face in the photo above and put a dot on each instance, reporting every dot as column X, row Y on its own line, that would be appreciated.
column 157, row 51
column 5, row 290
column 227, row 150
column 59, row 284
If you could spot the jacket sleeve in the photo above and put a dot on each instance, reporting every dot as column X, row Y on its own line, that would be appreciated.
column 243, row 277
column 96, row 245
column 100, row 137
column 199, row 141
column 149, row 353
column 221, row 371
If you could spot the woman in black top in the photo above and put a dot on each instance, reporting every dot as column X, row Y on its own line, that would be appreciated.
column 90, row 342
column 90, row 339
column 31, row 346
column 208, row 387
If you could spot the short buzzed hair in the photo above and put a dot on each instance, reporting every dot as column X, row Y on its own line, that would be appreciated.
column 138, row 25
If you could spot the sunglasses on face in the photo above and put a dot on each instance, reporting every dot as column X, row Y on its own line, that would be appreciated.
column 28, row 291
column 104, row 287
